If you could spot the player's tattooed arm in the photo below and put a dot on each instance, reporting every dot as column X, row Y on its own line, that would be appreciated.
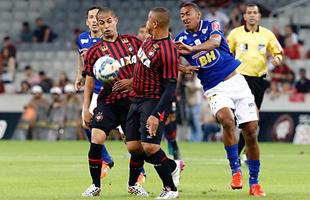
column 213, row 42
column 79, row 78
column 88, row 92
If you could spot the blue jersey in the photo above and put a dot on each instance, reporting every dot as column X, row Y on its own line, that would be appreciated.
column 215, row 65
column 84, row 42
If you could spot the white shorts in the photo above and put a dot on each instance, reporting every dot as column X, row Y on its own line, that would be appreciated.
column 92, row 106
column 233, row 93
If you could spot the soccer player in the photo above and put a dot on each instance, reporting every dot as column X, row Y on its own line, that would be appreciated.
column 250, row 43
column 85, row 41
column 154, row 83
column 113, row 102
column 203, row 44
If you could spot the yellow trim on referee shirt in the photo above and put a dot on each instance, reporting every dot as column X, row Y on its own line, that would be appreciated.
column 251, row 49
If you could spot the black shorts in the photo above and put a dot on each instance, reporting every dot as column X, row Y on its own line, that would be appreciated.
column 136, row 122
column 258, row 86
column 108, row 117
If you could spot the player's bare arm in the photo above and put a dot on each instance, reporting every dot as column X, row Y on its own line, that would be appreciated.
column 188, row 69
column 213, row 42
column 79, row 79
column 124, row 85
column 88, row 91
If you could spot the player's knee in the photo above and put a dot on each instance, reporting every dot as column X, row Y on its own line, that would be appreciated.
column 98, row 136
column 250, row 132
column 228, row 124
column 150, row 149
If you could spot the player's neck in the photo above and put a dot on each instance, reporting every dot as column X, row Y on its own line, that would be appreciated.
column 96, row 34
column 110, row 39
column 252, row 28
column 158, row 35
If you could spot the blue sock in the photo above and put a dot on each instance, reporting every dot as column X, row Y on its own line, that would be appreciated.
column 254, row 166
column 105, row 154
column 232, row 156
column 87, row 133
column 170, row 148
column 143, row 172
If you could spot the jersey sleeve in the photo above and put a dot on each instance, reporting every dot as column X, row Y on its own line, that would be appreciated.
column 89, row 61
column 81, row 48
column 231, row 41
column 274, row 46
column 170, row 60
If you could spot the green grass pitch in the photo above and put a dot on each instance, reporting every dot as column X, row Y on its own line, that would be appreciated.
column 59, row 171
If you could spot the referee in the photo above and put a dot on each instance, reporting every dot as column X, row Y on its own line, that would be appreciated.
column 250, row 44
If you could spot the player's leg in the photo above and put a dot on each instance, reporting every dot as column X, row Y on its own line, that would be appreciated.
column 221, row 105
column 104, row 120
column 167, row 169
column 107, row 162
column 171, row 134
column 133, row 142
column 247, row 118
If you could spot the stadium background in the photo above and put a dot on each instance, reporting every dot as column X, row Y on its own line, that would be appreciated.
column 35, row 170
column 67, row 18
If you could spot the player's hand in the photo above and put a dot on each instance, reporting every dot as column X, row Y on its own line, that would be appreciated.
column 183, row 49
column 78, row 82
column 124, row 85
column 87, row 116
column 276, row 61
column 152, row 124
column 189, row 69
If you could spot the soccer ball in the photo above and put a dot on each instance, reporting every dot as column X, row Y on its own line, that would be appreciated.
column 106, row 69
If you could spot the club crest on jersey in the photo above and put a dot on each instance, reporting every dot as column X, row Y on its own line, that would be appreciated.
column 104, row 48
column 99, row 117
column 207, row 59
column 125, row 40
column 216, row 26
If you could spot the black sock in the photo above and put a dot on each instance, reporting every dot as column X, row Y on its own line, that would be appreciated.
column 176, row 151
column 95, row 162
column 162, row 166
column 241, row 144
column 135, row 167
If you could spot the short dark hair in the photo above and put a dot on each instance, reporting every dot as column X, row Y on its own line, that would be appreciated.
column 27, row 67
column 252, row 5
column 92, row 8
column 189, row 3
column 164, row 20
column 106, row 10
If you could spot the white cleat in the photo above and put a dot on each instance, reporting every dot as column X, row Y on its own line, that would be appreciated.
column 137, row 190
column 176, row 173
column 91, row 191
column 168, row 194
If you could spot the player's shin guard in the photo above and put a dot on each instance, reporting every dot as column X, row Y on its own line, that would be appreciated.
column 254, row 166
column 232, row 156
column 105, row 154
column 163, row 167
column 135, row 166
column 95, row 162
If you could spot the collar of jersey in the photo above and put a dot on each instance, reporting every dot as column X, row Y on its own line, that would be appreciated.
column 247, row 30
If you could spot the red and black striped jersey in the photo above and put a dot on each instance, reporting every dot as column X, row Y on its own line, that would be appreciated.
column 157, row 60
column 123, row 50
